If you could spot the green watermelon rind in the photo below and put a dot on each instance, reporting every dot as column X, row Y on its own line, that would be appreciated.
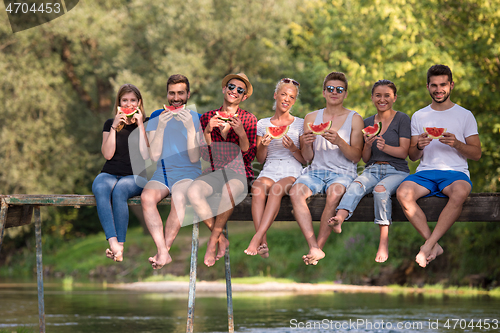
column 322, row 131
column 432, row 136
column 224, row 118
column 130, row 114
column 372, row 134
column 278, row 136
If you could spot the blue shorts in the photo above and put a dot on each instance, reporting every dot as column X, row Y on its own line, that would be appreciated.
column 436, row 180
column 318, row 181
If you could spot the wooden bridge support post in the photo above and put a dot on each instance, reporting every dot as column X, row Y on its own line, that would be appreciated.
column 3, row 220
column 229, row 289
column 39, row 269
column 192, row 277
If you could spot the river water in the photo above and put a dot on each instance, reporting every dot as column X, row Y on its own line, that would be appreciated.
column 95, row 309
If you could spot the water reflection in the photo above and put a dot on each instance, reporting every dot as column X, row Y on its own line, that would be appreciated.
column 93, row 309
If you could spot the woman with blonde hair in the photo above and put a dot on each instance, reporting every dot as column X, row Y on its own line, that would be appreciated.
column 283, row 163
column 116, row 183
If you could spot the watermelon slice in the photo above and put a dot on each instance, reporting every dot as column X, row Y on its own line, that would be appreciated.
column 373, row 130
column 173, row 108
column 225, row 115
column 434, row 132
column 277, row 132
column 129, row 112
column 321, row 128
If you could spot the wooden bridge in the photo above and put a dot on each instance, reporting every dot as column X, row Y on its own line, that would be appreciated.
column 17, row 210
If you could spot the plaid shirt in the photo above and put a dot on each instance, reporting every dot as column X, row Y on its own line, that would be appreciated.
column 224, row 154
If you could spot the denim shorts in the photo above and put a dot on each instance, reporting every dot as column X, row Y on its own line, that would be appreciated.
column 436, row 180
column 318, row 181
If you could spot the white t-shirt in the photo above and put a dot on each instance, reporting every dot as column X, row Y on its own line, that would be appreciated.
column 275, row 150
column 437, row 155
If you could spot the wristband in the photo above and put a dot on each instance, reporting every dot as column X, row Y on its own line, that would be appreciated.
column 113, row 127
column 419, row 148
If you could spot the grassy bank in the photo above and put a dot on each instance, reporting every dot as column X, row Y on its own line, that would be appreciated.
column 471, row 257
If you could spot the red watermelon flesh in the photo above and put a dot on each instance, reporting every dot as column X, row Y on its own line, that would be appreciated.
column 434, row 132
column 225, row 115
column 172, row 108
column 277, row 132
column 373, row 130
column 128, row 111
column 321, row 128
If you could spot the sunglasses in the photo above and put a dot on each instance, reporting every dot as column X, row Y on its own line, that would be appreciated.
column 339, row 89
column 231, row 87
column 287, row 80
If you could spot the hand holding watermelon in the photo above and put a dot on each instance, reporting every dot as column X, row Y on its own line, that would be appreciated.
column 449, row 139
column 332, row 136
column 164, row 118
column 237, row 125
column 185, row 117
column 423, row 141
column 308, row 138
column 266, row 140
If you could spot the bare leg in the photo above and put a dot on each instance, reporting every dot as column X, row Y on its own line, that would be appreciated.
column 383, row 246
column 177, row 211
column 151, row 195
column 260, row 188
column 298, row 195
column 457, row 193
column 408, row 192
column 333, row 195
column 336, row 221
column 231, row 190
column 276, row 193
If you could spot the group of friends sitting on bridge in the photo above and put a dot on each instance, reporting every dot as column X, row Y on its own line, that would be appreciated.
column 204, row 161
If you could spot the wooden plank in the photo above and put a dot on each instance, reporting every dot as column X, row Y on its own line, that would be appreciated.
column 478, row 206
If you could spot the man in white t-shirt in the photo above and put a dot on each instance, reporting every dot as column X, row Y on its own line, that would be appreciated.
column 443, row 169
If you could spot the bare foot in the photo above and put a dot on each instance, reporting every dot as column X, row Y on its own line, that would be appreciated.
column 423, row 255
column 263, row 251
column 314, row 255
column 223, row 245
column 382, row 253
column 115, row 254
column 437, row 250
column 336, row 224
column 252, row 248
column 210, row 255
column 110, row 254
column 118, row 256
column 158, row 261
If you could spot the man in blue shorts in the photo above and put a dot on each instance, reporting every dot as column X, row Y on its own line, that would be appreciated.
column 174, row 145
column 443, row 169
column 333, row 157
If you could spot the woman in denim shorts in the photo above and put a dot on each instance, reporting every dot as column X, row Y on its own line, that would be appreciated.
column 283, row 164
column 386, row 166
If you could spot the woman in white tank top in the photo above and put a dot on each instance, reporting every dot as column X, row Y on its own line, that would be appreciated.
column 283, row 164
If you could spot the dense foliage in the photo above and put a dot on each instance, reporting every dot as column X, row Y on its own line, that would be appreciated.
column 59, row 80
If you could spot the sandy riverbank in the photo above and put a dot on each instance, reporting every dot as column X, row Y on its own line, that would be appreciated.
column 214, row 287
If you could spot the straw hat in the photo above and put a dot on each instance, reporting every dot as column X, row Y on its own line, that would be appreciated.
column 242, row 77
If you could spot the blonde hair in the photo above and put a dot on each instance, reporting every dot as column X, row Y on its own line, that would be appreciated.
column 282, row 84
